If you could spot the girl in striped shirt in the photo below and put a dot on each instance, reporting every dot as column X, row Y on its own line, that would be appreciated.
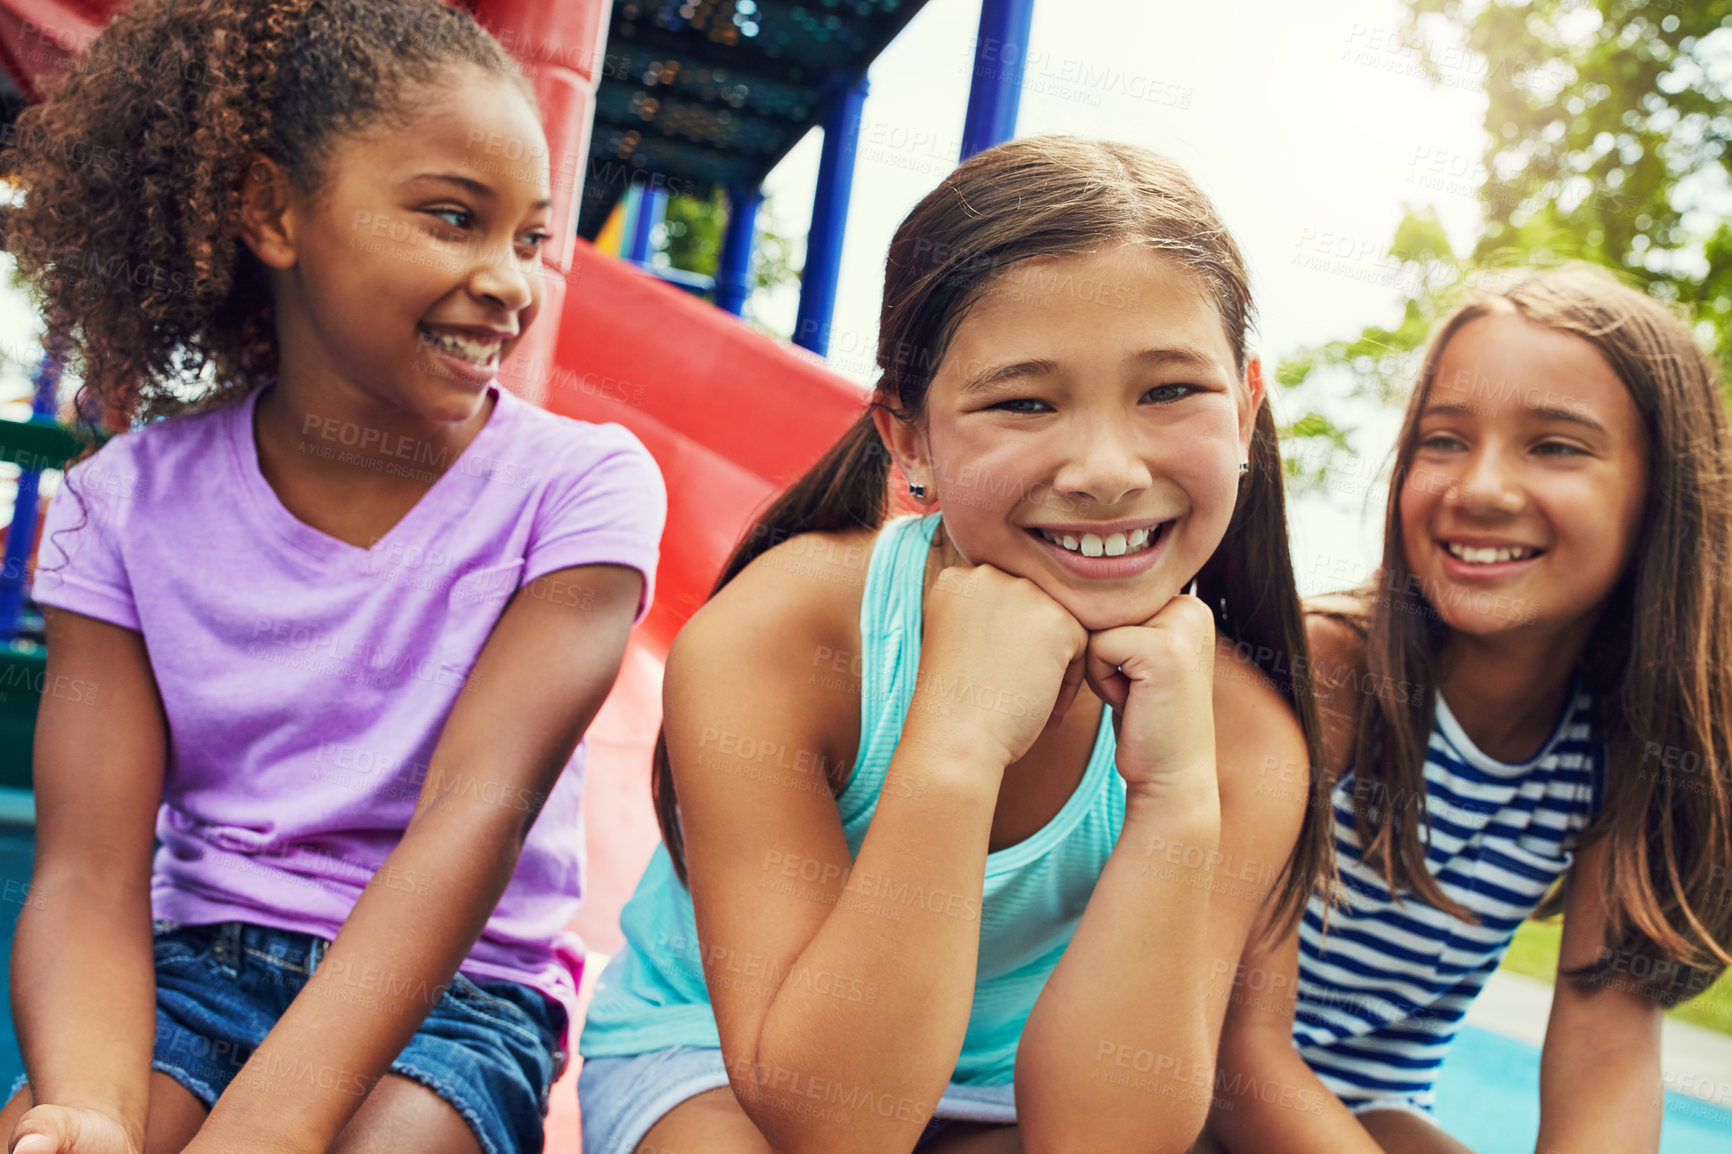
column 1535, row 690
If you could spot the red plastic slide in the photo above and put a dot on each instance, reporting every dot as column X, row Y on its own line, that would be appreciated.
column 731, row 417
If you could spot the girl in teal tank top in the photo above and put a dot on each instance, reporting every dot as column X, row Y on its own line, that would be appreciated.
column 1002, row 897
column 653, row 995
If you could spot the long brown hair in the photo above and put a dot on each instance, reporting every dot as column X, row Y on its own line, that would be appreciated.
column 1049, row 196
column 1659, row 664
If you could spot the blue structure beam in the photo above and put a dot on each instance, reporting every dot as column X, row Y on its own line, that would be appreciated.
column 21, row 534
column 829, row 218
column 1000, row 56
column 734, row 270
column 652, row 207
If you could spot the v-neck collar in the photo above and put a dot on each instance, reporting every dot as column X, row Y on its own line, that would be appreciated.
column 293, row 531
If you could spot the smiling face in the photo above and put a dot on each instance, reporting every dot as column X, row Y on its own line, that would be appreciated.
column 1522, row 504
column 417, row 268
column 1084, row 430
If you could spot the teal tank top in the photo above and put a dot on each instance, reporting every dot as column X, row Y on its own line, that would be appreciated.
column 652, row 995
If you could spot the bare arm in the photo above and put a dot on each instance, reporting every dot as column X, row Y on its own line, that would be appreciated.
column 771, row 877
column 1120, row 1050
column 1600, row 1069
column 539, row 681
column 86, row 1016
column 1270, row 1100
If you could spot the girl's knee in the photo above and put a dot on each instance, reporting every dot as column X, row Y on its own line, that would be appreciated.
column 15, row 1109
column 712, row 1122
column 1208, row 1143
column 173, row 1116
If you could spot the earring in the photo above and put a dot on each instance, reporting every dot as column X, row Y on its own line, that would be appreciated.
column 918, row 491
column 1244, row 467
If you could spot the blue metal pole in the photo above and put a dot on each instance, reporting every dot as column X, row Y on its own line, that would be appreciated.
column 1000, row 55
column 829, row 218
column 21, row 535
column 734, row 270
column 652, row 207
column 628, row 201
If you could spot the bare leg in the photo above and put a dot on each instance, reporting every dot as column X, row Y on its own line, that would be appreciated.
column 15, row 1109
column 710, row 1123
column 975, row 1138
column 401, row 1116
column 174, row 1115
column 1401, row 1133
column 714, row 1123
column 1208, row 1143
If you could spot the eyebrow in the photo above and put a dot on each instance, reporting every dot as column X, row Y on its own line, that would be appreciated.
column 993, row 376
column 1185, row 358
column 469, row 183
column 1550, row 412
column 1189, row 358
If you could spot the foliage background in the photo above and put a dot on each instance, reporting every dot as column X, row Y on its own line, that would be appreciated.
column 691, row 240
column 1606, row 133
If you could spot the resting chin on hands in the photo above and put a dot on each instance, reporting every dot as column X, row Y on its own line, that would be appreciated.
column 1158, row 679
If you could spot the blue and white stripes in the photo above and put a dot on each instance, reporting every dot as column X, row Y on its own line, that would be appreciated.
column 1381, row 997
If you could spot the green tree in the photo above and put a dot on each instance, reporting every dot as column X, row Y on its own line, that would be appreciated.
column 694, row 226
column 1607, row 125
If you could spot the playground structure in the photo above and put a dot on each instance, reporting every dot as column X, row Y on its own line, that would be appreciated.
column 643, row 99
column 637, row 100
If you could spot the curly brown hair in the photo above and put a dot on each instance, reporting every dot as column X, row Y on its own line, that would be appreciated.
column 128, row 231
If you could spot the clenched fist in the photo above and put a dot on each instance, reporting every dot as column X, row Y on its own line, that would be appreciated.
column 1159, row 678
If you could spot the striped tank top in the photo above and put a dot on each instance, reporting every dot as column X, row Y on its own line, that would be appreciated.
column 1381, row 997
column 652, row 994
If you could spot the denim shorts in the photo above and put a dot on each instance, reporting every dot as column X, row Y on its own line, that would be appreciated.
column 490, row 1049
column 621, row 1099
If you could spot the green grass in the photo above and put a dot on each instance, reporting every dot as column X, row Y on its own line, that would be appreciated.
column 1535, row 954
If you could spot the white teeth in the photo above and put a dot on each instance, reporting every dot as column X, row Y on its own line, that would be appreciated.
column 475, row 352
column 1489, row 556
column 1111, row 545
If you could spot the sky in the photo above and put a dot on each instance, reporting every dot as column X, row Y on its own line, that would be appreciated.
column 1304, row 123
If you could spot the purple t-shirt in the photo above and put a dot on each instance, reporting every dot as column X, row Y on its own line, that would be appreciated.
column 306, row 680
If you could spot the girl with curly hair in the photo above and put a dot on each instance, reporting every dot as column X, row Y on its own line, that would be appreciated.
column 303, row 869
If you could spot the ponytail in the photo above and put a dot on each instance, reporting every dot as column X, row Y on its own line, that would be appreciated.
column 1265, row 623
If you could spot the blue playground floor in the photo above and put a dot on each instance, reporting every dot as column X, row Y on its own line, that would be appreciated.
column 1488, row 1097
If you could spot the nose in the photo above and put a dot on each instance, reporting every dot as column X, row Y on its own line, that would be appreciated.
column 1490, row 485
column 1102, row 464
column 501, row 277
